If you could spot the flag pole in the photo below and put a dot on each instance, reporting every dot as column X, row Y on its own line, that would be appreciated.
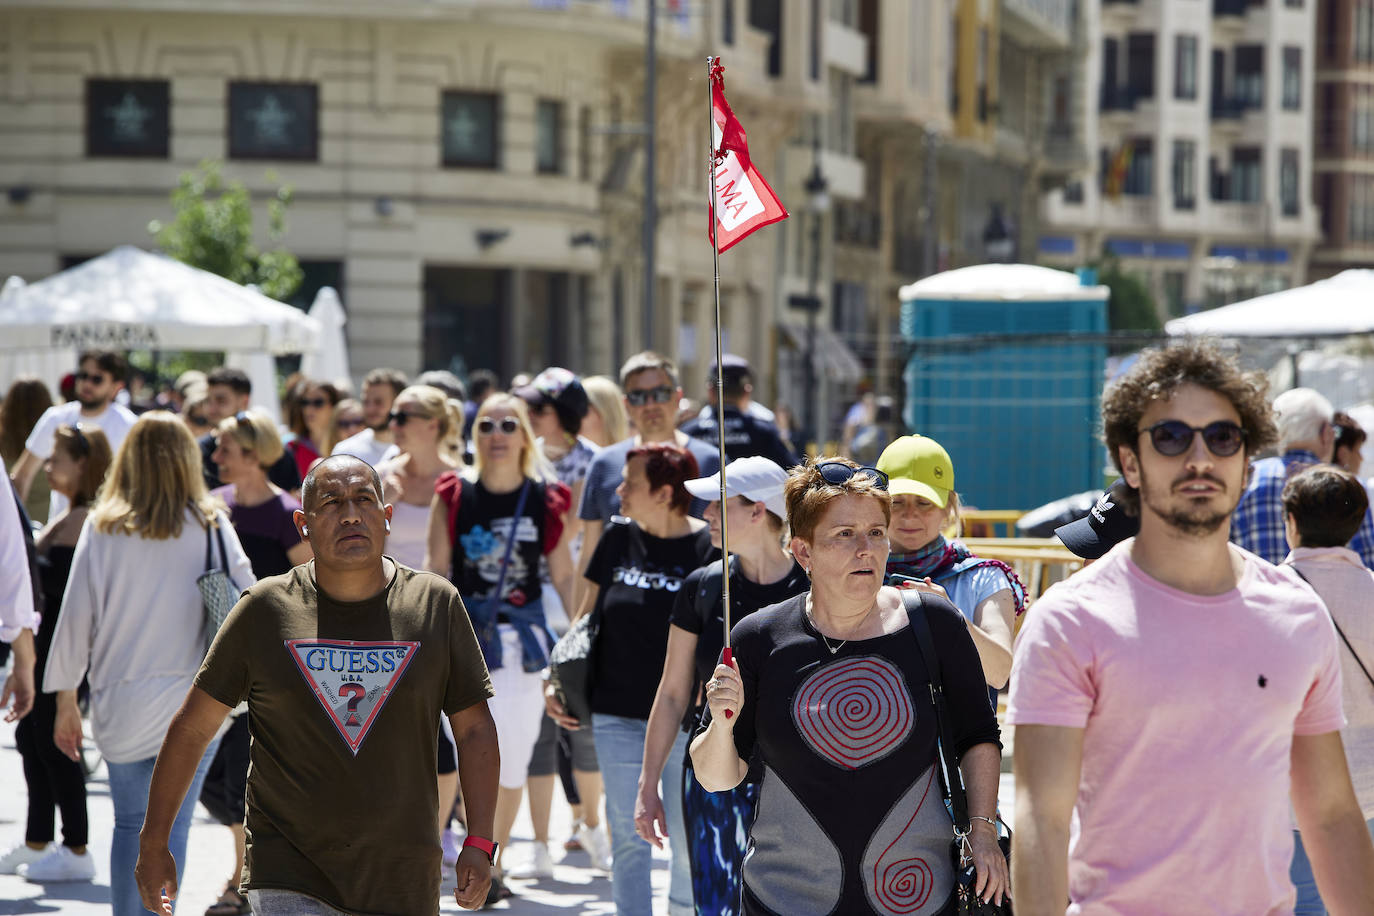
column 713, row 73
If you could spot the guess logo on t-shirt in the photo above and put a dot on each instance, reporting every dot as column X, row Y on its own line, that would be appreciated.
column 352, row 680
column 635, row 577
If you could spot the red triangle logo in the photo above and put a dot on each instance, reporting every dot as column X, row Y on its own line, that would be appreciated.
column 351, row 679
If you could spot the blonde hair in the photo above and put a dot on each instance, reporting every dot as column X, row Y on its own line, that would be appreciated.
column 257, row 434
column 156, row 473
column 436, row 405
column 533, row 464
column 608, row 401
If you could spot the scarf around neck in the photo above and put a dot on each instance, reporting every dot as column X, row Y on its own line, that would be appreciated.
column 941, row 559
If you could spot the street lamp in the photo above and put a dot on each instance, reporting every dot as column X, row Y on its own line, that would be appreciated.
column 818, row 202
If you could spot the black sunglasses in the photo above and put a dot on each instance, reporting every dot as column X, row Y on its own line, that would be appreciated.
column 82, row 442
column 90, row 377
column 400, row 418
column 1174, row 437
column 314, row 402
column 641, row 396
column 349, row 422
column 839, row 473
column 245, row 422
column 486, row 425
column 197, row 420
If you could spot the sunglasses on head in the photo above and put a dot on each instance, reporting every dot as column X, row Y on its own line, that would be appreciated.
column 641, row 396
column 96, row 377
column 314, row 402
column 82, row 442
column 400, row 417
column 839, row 473
column 1174, row 437
column 508, row 425
column 245, row 423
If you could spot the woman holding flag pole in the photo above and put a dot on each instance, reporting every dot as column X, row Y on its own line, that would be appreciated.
column 823, row 703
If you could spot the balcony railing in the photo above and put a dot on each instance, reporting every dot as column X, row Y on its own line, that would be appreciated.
column 1042, row 23
column 1229, row 108
column 1118, row 98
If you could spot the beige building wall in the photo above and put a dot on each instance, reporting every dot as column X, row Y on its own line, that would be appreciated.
column 378, row 198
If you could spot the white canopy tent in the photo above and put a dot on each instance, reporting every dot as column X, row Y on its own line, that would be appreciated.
column 1343, row 304
column 329, row 361
column 130, row 299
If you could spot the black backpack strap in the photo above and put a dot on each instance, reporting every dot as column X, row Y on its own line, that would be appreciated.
column 914, row 599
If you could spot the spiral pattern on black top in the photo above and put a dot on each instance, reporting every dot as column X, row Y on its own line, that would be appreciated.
column 855, row 711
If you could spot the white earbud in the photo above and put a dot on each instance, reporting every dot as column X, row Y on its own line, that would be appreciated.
column 305, row 531
column 388, row 525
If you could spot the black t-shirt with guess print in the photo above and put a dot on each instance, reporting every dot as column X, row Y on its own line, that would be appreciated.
column 640, row 576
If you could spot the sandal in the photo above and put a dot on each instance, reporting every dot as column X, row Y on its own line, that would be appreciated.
column 497, row 892
column 230, row 903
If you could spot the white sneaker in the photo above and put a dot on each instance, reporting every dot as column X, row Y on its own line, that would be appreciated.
column 449, row 840
column 598, row 846
column 60, row 864
column 540, row 866
column 19, row 855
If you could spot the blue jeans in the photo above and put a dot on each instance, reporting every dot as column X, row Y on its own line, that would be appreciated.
column 1300, row 872
column 620, row 751
column 129, row 784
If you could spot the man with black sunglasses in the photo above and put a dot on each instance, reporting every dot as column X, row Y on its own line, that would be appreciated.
column 1307, row 437
column 99, row 378
column 1172, row 698
column 652, row 396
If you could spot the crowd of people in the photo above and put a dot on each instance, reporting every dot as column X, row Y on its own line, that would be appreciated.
column 372, row 713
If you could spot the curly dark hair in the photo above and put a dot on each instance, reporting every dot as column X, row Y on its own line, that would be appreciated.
column 1158, row 373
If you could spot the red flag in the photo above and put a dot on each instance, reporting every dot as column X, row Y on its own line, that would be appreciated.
column 745, row 200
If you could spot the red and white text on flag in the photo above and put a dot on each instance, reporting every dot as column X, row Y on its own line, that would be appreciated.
column 744, row 201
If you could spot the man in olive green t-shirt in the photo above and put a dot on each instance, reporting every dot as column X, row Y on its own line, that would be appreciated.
column 347, row 663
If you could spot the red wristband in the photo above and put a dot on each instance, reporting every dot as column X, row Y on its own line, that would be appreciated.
column 486, row 846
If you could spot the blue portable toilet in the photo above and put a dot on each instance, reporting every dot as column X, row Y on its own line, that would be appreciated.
column 1018, row 417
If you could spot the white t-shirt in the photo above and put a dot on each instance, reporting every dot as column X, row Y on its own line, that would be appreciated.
column 366, row 446
column 115, row 423
column 1189, row 705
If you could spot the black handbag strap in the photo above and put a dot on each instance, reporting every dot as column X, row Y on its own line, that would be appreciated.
column 953, row 786
column 495, row 598
column 1339, row 632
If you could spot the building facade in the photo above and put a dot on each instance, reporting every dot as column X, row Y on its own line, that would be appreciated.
column 1343, row 180
column 1201, row 118
column 469, row 173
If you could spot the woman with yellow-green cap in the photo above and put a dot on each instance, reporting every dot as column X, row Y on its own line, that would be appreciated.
column 924, row 506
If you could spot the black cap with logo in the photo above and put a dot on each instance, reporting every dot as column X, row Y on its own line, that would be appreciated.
column 1106, row 525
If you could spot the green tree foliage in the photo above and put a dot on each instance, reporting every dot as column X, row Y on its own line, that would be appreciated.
column 212, row 229
column 1130, row 307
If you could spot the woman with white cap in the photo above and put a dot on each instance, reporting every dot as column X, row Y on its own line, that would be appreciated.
column 762, row 573
column 924, row 505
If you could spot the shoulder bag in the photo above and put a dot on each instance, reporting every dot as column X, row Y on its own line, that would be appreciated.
column 572, row 661
column 218, row 593
column 965, row 900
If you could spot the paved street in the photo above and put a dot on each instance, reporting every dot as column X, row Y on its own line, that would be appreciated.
column 577, row 888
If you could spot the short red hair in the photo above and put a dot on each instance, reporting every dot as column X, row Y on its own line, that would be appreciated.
column 667, row 465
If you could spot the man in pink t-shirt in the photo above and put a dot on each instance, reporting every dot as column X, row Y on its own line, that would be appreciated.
column 1168, row 699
